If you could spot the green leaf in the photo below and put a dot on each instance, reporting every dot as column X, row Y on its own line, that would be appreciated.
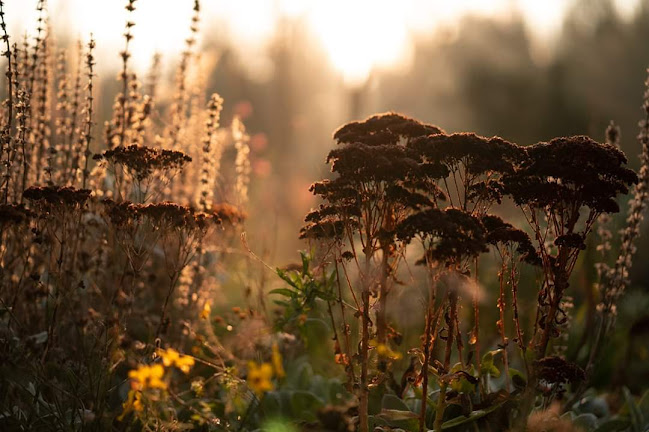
column 337, row 392
column 272, row 404
column 375, row 400
column 643, row 406
column 634, row 411
column 487, row 366
column 302, row 378
column 393, row 415
column 588, row 422
column 518, row 379
column 305, row 262
column 286, row 278
column 614, row 425
column 304, row 405
column 284, row 292
column 393, row 402
column 281, row 303
column 475, row 415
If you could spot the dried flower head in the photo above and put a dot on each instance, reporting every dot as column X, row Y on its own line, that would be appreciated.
column 381, row 129
column 142, row 161
column 499, row 232
column 477, row 154
column 449, row 236
column 573, row 171
column 14, row 214
column 556, row 370
column 59, row 196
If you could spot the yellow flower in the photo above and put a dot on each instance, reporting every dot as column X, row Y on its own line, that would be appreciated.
column 171, row 357
column 385, row 351
column 259, row 377
column 205, row 313
column 276, row 359
column 185, row 363
column 133, row 403
column 147, row 377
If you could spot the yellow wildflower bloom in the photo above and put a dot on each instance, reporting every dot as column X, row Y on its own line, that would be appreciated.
column 276, row 359
column 133, row 403
column 383, row 350
column 185, row 363
column 205, row 313
column 171, row 357
column 146, row 376
column 259, row 377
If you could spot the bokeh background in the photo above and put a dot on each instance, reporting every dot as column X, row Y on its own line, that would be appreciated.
column 295, row 70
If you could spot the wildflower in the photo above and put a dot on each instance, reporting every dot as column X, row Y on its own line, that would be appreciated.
column 276, row 358
column 147, row 377
column 63, row 196
column 171, row 357
column 205, row 313
column 478, row 154
column 500, row 233
column 142, row 161
column 133, row 403
column 259, row 376
column 575, row 171
column 14, row 214
column 556, row 370
column 448, row 235
column 383, row 128
column 383, row 350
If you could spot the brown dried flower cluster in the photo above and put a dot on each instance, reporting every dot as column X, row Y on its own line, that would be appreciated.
column 54, row 195
column 14, row 214
column 143, row 161
column 449, row 236
column 574, row 171
column 168, row 215
column 398, row 179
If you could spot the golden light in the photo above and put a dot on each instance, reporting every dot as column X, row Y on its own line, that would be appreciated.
column 357, row 35
column 361, row 35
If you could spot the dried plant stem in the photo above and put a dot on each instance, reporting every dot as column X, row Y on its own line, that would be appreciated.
column 89, row 102
column 365, row 339
column 476, row 328
column 428, row 334
column 557, row 283
column 173, row 279
column 124, row 76
column 501, row 323
column 432, row 323
column 349, row 368
column 513, row 278
column 441, row 401
column 7, row 132
column 388, row 251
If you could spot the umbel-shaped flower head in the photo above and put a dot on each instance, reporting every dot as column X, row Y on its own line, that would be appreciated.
column 376, row 183
column 449, row 236
column 143, row 161
column 500, row 233
column 474, row 163
column 571, row 172
column 382, row 129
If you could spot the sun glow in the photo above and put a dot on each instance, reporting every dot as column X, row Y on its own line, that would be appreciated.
column 357, row 35
column 361, row 35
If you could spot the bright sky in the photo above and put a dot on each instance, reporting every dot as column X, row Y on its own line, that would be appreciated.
column 358, row 35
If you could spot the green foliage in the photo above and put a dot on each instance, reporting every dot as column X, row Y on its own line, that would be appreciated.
column 303, row 291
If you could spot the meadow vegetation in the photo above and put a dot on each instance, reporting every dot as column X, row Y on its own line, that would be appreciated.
column 117, row 241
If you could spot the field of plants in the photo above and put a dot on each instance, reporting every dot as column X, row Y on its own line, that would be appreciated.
column 434, row 292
